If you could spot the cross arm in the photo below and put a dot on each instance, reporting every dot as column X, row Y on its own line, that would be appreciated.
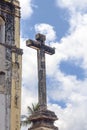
column 49, row 50
column 38, row 45
column 33, row 44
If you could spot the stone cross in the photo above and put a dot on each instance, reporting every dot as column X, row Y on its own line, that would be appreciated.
column 39, row 45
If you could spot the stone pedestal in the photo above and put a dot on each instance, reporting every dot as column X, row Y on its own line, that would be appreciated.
column 43, row 120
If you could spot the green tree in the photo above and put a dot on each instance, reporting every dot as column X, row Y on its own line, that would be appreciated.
column 31, row 110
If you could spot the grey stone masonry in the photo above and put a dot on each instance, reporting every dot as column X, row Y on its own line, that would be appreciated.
column 42, row 119
column 41, row 48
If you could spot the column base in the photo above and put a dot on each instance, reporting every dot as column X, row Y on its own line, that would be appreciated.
column 43, row 120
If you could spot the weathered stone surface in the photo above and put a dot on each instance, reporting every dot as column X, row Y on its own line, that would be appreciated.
column 43, row 128
column 10, row 65
column 43, row 119
column 41, row 48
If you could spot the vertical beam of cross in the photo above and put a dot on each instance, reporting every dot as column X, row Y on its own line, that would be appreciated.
column 41, row 79
column 39, row 45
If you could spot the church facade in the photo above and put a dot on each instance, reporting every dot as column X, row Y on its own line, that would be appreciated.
column 10, row 65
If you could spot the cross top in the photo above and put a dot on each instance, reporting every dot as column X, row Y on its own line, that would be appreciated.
column 40, row 37
column 40, row 43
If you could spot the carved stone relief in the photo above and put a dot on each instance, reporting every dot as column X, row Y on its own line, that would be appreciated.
column 9, row 29
column 9, row 70
column 9, row 23
column 8, row 76
column 8, row 54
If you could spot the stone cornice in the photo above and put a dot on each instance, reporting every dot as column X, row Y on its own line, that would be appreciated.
column 13, row 48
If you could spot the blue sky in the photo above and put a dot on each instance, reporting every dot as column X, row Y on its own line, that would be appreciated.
column 49, row 14
column 65, row 25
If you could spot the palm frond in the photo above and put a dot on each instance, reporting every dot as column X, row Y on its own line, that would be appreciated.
column 25, row 122
column 36, row 107
column 31, row 110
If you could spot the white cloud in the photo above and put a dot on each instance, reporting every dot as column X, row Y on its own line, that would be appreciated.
column 28, row 97
column 29, row 62
column 68, row 88
column 77, row 10
column 73, row 5
column 72, row 117
column 29, row 75
column 26, row 8
column 65, row 87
